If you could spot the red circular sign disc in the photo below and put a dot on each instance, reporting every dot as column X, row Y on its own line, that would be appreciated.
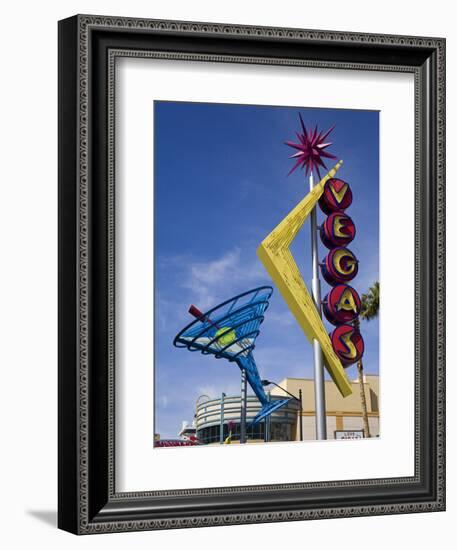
column 341, row 305
column 337, row 196
column 337, row 230
column 340, row 266
column 347, row 342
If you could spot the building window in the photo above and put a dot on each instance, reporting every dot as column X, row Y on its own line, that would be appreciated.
column 210, row 434
column 280, row 432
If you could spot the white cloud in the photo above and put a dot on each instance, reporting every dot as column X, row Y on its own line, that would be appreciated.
column 215, row 280
column 163, row 401
column 284, row 318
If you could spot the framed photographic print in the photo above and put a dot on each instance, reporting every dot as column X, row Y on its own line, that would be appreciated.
column 271, row 200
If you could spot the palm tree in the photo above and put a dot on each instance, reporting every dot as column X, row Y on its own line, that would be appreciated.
column 370, row 303
column 369, row 311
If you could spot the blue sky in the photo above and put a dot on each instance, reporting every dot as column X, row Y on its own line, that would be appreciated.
column 220, row 187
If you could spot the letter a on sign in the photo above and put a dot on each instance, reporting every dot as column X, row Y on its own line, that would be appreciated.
column 274, row 253
column 347, row 301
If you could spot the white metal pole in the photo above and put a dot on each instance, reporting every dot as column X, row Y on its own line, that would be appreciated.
column 243, row 406
column 221, row 424
column 319, row 383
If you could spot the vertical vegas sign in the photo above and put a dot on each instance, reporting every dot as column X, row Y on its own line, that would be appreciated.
column 342, row 304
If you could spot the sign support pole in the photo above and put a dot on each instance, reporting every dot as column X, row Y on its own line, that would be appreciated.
column 221, row 426
column 244, row 396
column 319, row 381
column 300, row 396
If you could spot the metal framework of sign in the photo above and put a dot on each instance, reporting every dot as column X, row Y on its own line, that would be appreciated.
column 274, row 253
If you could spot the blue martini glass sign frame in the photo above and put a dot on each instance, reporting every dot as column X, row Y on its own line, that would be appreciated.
column 229, row 331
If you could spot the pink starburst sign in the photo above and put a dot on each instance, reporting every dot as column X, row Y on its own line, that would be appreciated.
column 310, row 149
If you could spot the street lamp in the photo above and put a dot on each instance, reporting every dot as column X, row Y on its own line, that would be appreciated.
column 299, row 399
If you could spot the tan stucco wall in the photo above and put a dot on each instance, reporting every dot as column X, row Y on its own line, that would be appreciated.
column 342, row 413
column 333, row 399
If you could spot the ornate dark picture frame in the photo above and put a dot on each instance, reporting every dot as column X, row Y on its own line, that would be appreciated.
column 88, row 47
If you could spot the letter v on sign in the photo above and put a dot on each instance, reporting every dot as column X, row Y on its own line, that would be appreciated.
column 274, row 253
column 338, row 193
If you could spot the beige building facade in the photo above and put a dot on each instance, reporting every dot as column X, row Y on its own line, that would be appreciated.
column 344, row 415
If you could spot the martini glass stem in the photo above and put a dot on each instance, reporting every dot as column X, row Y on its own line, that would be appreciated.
column 319, row 381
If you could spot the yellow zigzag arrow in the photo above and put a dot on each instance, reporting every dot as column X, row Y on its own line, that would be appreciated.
column 277, row 259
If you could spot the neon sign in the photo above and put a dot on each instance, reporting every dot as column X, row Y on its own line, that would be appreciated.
column 342, row 304
column 340, row 266
column 275, row 254
column 337, row 196
column 337, row 230
column 348, row 344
